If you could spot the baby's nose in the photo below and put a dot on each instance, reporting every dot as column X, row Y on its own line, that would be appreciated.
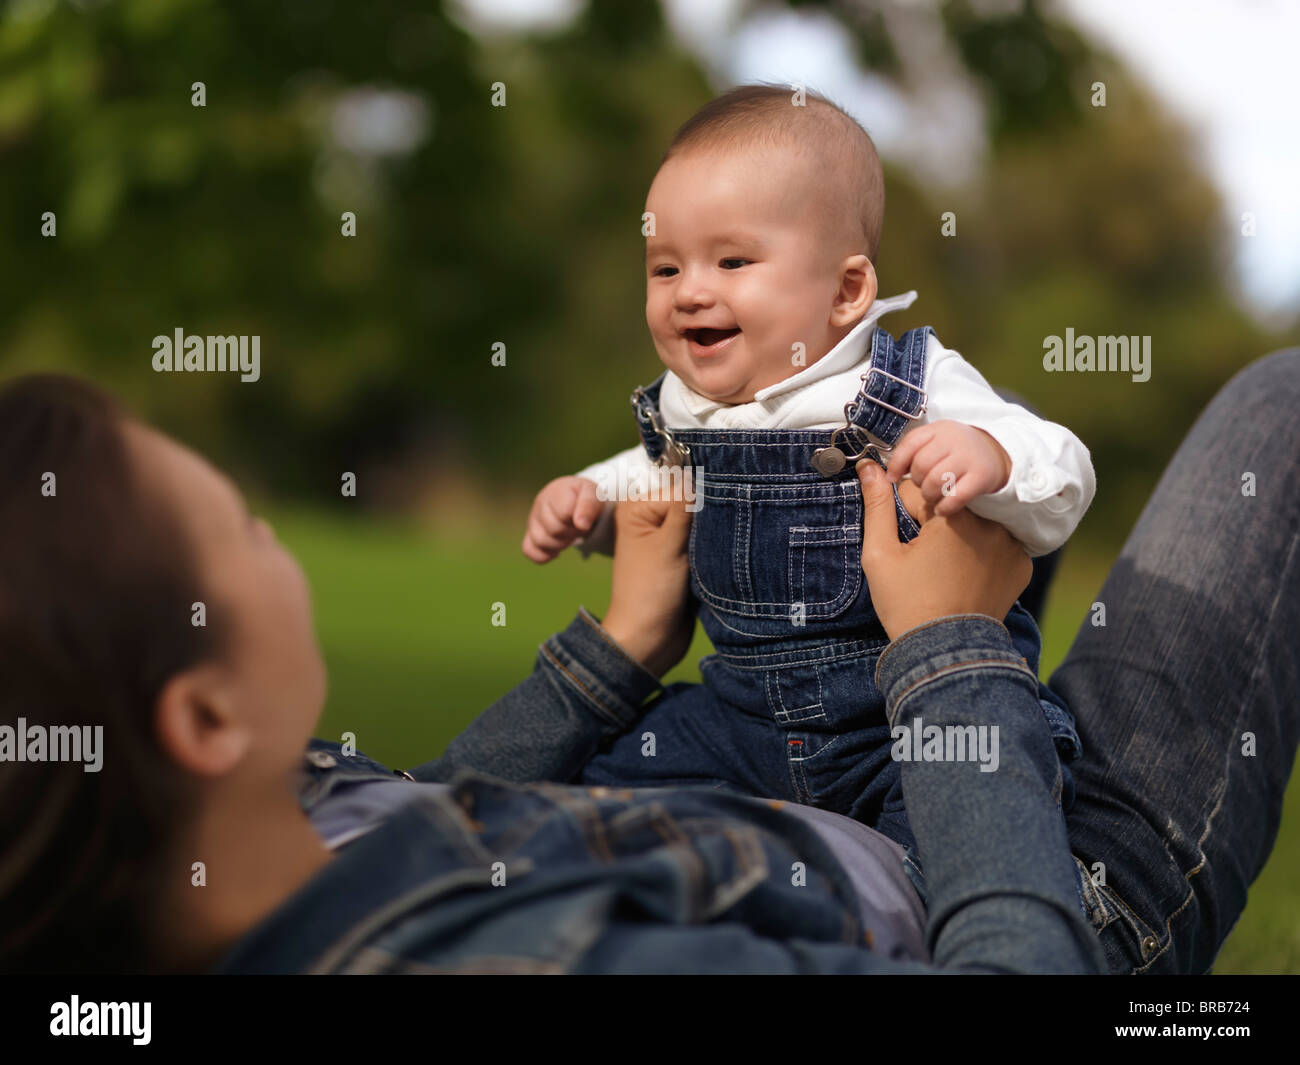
column 693, row 290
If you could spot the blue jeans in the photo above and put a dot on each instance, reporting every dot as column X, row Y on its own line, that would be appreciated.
column 1186, row 697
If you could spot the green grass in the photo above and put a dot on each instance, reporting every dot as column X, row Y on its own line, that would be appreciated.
column 404, row 615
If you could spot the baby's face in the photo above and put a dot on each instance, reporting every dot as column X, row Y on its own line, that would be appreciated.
column 738, row 271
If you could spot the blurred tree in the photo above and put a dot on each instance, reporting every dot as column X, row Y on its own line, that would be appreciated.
column 478, row 224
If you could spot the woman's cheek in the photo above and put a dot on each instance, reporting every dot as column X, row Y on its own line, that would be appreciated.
column 302, row 588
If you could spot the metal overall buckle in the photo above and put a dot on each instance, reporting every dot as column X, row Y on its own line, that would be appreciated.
column 674, row 453
column 830, row 460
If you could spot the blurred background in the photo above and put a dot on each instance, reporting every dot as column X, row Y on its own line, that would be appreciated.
column 1168, row 209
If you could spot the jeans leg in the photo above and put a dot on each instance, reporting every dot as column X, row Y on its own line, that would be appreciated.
column 690, row 739
column 1186, row 698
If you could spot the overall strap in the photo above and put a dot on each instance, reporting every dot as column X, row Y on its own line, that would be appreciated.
column 656, row 439
column 892, row 395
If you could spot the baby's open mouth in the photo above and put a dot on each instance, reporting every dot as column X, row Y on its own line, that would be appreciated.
column 708, row 337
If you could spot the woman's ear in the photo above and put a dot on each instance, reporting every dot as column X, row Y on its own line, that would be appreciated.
column 197, row 725
column 857, row 291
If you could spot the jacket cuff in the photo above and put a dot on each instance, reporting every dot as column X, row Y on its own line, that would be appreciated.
column 614, row 683
column 937, row 646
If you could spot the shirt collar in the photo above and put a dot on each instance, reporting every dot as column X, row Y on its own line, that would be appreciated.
column 848, row 352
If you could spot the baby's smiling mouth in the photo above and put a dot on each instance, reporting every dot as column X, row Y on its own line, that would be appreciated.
column 706, row 338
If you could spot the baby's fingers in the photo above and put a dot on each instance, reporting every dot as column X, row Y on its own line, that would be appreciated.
column 555, row 518
column 536, row 548
column 588, row 506
column 904, row 453
column 956, row 495
column 938, row 473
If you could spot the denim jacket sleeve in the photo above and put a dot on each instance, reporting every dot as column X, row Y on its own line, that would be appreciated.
column 1000, row 875
column 583, row 689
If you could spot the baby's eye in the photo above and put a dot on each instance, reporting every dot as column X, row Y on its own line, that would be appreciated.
column 738, row 263
column 664, row 271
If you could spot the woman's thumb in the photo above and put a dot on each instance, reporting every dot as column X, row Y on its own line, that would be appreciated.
column 879, row 517
column 678, row 518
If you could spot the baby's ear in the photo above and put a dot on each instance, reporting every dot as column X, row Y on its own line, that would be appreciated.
column 857, row 291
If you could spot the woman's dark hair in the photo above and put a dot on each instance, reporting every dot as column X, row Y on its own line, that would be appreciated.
column 97, row 579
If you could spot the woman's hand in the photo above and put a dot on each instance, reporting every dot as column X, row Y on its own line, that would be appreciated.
column 961, row 564
column 649, row 600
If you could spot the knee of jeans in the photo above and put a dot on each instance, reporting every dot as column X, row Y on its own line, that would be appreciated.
column 912, row 867
column 1275, row 377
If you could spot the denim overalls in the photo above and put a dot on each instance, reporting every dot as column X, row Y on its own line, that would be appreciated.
column 789, row 706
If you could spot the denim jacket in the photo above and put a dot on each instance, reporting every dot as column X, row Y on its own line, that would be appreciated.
column 498, row 875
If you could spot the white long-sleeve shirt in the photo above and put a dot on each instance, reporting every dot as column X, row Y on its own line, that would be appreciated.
column 1051, row 484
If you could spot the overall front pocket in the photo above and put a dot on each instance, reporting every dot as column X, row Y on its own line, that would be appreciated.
column 825, row 569
column 823, row 551
column 825, row 555
column 783, row 552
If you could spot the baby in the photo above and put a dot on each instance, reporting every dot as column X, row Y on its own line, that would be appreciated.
column 762, row 227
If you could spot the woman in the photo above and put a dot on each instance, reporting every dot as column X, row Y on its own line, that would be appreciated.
column 111, row 563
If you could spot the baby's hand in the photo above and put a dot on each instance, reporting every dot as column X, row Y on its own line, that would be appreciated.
column 563, row 511
column 951, row 462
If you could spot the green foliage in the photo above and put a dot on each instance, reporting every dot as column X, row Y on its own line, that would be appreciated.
column 1029, row 67
column 520, row 225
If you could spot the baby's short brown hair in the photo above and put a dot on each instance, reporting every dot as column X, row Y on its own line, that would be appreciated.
column 842, row 153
